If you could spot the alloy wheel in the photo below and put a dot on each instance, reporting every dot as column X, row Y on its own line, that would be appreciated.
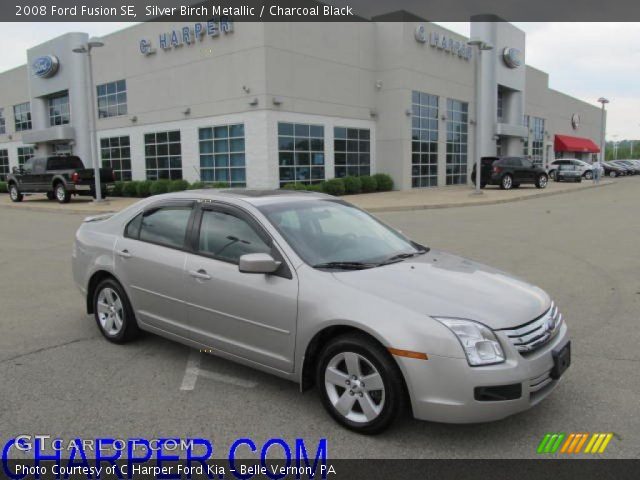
column 588, row 175
column 507, row 182
column 354, row 387
column 60, row 193
column 13, row 193
column 110, row 311
column 543, row 181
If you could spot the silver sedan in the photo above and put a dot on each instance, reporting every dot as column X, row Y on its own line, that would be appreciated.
column 312, row 289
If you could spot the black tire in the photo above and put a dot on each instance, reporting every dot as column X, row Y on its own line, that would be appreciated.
column 129, row 329
column 51, row 196
column 394, row 397
column 61, row 193
column 613, row 174
column 506, row 182
column 15, row 194
column 553, row 176
column 588, row 175
column 542, row 181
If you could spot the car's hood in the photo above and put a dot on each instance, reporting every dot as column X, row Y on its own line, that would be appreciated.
column 445, row 285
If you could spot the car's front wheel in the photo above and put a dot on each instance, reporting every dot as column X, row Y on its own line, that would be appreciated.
column 541, row 181
column 113, row 312
column 15, row 194
column 360, row 384
column 612, row 174
column 588, row 175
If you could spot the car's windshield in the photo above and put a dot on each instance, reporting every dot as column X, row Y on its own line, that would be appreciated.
column 329, row 231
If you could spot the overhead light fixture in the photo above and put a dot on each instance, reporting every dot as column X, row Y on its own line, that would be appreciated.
column 254, row 102
column 277, row 100
column 187, row 111
column 134, row 119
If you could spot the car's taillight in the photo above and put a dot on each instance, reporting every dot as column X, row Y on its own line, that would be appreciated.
column 497, row 169
column 75, row 177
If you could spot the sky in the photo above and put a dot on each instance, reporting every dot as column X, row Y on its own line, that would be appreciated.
column 584, row 60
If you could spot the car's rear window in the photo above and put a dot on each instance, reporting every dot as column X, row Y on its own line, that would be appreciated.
column 64, row 163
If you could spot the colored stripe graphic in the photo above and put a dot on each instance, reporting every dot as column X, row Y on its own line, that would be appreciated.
column 550, row 443
column 573, row 443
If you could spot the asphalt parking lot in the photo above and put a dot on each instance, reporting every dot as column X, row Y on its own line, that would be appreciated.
column 59, row 376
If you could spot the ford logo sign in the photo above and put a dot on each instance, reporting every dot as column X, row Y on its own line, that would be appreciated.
column 45, row 67
column 512, row 57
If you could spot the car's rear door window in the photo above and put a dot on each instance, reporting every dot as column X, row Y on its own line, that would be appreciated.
column 227, row 237
column 166, row 226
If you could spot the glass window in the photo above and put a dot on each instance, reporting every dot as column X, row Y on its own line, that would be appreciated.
column 525, row 145
column 352, row 151
column 59, row 113
column 500, row 103
column 424, row 140
column 163, row 155
column 457, row 141
column 222, row 155
column 64, row 163
column 227, row 237
column 133, row 227
column 115, row 153
column 323, row 231
column 3, row 127
column 24, row 154
column 112, row 99
column 4, row 164
column 166, row 226
column 22, row 116
column 300, row 153
column 537, row 141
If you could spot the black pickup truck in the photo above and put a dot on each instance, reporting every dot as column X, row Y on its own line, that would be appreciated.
column 57, row 176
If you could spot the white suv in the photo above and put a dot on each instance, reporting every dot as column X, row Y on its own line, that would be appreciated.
column 585, row 167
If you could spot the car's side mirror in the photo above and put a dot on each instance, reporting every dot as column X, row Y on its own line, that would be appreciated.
column 258, row 263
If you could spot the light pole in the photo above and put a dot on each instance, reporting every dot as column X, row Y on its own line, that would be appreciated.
column 603, row 101
column 86, row 49
column 480, row 47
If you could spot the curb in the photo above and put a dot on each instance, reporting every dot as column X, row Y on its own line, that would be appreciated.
column 399, row 208
column 436, row 206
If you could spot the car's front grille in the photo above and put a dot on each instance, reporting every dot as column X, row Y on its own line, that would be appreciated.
column 531, row 336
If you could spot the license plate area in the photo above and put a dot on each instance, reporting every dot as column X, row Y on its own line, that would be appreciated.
column 561, row 361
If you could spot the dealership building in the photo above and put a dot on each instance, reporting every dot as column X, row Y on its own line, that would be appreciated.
column 266, row 104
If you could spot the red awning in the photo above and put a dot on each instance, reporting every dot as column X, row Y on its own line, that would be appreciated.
column 566, row 143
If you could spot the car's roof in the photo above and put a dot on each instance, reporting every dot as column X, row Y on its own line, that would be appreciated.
column 254, row 197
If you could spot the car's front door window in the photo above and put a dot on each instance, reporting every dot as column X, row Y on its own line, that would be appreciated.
column 227, row 237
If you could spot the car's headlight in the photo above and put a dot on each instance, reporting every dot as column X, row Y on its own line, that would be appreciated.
column 479, row 343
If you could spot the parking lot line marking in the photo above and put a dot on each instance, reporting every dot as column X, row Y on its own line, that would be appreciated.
column 219, row 377
column 191, row 371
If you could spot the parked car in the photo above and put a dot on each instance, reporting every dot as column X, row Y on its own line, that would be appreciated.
column 568, row 173
column 59, row 177
column 509, row 172
column 312, row 289
column 632, row 169
column 585, row 168
column 625, row 168
column 613, row 170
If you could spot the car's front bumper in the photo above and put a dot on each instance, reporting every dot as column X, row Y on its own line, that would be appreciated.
column 442, row 388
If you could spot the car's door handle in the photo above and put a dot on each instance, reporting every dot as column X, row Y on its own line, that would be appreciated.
column 200, row 274
column 124, row 254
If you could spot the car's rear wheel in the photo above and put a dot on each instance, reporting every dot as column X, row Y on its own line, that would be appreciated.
column 507, row 182
column 542, row 180
column 113, row 312
column 588, row 175
column 14, row 193
column 360, row 384
column 612, row 174
column 62, row 194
